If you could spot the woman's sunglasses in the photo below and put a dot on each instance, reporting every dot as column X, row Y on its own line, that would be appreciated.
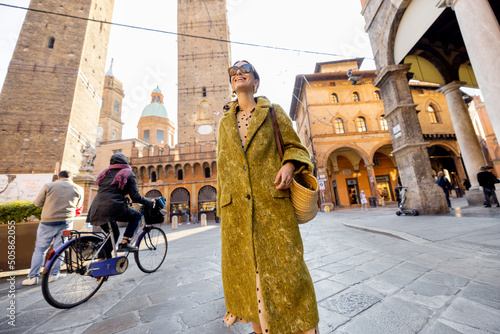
column 245, row 68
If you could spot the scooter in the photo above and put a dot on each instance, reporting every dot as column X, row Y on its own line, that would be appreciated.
column 401, row 208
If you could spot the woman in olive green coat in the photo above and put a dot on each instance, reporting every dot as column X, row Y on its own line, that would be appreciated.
column 266, row 280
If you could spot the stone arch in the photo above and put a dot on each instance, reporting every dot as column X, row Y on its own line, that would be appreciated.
column 153, row 193
column 357, row 149
column 169, row 169
column 197, row 170
column 378, row 147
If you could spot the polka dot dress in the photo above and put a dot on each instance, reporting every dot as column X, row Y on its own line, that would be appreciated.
column 230, row 319
column 243, row 120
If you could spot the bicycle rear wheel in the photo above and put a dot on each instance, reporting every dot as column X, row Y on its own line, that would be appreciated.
column 152, row 251
column 74, row 285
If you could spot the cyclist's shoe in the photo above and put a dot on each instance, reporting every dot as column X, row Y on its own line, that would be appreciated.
column 127, row 248
column 31, row 281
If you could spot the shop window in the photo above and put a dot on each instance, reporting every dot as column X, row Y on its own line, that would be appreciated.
column 361, row 123
column 339, row 125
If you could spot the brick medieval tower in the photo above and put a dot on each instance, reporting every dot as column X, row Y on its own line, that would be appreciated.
column 51, row 99
column 202, row 69
column 110, row 119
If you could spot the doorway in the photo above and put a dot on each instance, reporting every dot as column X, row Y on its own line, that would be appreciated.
column 352, row 191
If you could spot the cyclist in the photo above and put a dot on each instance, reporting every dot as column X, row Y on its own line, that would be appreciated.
column 110, row 203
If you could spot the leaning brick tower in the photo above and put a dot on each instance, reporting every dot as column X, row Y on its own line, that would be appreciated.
column 51, row 98
column 203, row 85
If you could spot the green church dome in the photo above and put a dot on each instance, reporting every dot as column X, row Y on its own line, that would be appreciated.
column 155, row 109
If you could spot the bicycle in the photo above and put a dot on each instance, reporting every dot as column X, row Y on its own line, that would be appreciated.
column 87, row 262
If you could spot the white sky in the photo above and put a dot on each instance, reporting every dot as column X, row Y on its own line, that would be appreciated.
column 145, row 59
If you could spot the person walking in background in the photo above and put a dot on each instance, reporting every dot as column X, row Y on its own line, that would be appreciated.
column 61, row 201
column 445, row 185
column 215, row 214
column 195, row 215
column 487, row 180
column 186, row 213
column 265, row 277
column 363, row 200
column 110, row 203
column 397, row 192
column 467, row 184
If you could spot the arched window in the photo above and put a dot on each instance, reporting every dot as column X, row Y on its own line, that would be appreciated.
column 383, row 123
column 432, row 114
column 355, row 97
column 51, row 42
column 179, row 175
column 153, row 177
column 376, row 95
column 339, row 125
column 334, row 98
column 361, row 123
column 207, row 172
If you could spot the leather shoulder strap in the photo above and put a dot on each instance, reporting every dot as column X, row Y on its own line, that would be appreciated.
column 277, row 133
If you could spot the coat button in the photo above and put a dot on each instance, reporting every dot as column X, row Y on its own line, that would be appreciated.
column 248, row 196
column 244, row 167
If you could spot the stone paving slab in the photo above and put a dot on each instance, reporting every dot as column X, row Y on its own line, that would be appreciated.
column 389, row 275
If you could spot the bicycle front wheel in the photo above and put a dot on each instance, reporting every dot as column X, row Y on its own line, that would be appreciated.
column 152, row 251
column 74, row 285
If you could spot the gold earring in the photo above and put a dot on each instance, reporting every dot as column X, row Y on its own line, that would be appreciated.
column 233, row 95
column 255, row 89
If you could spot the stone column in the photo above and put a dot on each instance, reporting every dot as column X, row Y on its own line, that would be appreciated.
column 481, row 33
column 410, row 150
column 466, row 137
column 372, row 181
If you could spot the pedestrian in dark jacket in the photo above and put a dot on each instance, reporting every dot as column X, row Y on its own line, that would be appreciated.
column 467, row 184
column 445, row 185
column 487, row 180
column 110, row 203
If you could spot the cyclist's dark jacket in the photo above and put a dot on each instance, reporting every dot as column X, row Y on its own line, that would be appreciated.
column 110, row 202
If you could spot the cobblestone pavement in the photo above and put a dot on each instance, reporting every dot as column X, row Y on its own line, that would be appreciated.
column 373, row 272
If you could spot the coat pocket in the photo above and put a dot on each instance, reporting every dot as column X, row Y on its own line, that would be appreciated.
column 225, row 200
column 280, row 193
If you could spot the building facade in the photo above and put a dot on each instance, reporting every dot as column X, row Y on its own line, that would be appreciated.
column 436, row 41
column 340, row 117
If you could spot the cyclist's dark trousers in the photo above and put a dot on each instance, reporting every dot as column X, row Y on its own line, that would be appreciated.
column 133, row 217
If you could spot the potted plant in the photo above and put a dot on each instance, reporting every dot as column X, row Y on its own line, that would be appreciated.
column 17, row 234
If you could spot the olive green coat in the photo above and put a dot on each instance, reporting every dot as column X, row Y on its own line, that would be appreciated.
column 258, row 224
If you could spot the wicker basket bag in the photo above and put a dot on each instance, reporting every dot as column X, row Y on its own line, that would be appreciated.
column 304, row 187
